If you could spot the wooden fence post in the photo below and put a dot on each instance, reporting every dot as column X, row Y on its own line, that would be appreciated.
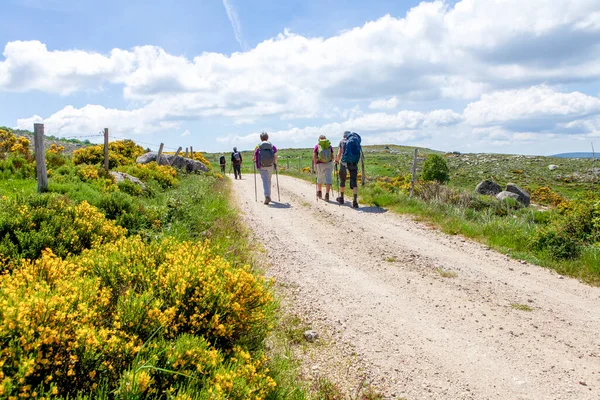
column 106, row 149
column 40, row 158
column 414, row 172
column 160, row 151
column 176, row 154
column 186, row 152
column 593, row 166
column 191, row 152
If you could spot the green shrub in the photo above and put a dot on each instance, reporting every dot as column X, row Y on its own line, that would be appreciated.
column 31, row 224
column 17, row 166
column 435, row 169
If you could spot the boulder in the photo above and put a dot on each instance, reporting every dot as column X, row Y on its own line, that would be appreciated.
column 552, row 167
column 488, row 187
column 524, row 197
column 122, row 176
column 507, row 195
column 178, row 162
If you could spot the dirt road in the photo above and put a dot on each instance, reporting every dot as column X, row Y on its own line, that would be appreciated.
column 430, row 316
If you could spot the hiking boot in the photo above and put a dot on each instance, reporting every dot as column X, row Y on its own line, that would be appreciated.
column 319, row 194
column 340, row 200
column 267, row 200
column 326, row 196
column 355, row 204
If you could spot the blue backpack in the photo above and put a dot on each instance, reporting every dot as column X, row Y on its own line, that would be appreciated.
column 352, row 149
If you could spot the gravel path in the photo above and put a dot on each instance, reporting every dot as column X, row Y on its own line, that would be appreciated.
column 428, row 315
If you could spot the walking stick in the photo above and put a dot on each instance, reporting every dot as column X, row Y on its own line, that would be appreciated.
column 362, row 163
column 255, row 193
column 277, row 177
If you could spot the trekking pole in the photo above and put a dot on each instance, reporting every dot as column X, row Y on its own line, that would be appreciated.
column 362, row 163
column 277, row 177
column 255, row 193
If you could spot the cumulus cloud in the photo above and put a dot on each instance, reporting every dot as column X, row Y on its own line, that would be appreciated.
column 507, row 58
column 538, row 106
column 435, row 51
column 388, row 104
column 374, row 127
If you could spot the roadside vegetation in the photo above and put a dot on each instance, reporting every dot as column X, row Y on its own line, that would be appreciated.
column 560, row 230
column 113, row 290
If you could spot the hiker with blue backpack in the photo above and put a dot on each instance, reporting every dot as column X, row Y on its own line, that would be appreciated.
column 236, row 161
column 349, row 152
column 323, row 161
column 265, row 160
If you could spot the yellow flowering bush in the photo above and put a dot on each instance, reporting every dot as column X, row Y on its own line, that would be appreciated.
column 121, row 152
column 183, row 286
column 164, row 175
column 88, row 173
column 141, row 319
column 54, row 331
column 200, row 157
column 7, row 141
column 36, row 223
column 546, row 196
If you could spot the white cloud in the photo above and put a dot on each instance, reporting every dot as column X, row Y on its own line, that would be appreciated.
column 94, row 118
column 388, row 104
column 186, row 133
column 539, row 104
column 235, row 22
column 508, row 58
column 374, row 127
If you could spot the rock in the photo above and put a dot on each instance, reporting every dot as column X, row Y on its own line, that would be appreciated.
column 121, row 177
column 552, row 167
column 489, row 188
column 507, row 195
column 524, row 197
column 311, row 336
column 178, row 162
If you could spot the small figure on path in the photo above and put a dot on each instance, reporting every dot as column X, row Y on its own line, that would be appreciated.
column 323, row 161
column 236, row 161
column 265, row 159
column 349, row 151
column 222, row 163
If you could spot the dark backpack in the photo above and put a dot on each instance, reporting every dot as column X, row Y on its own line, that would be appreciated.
column 352, row 149
column 266, row 156
column 236, row 157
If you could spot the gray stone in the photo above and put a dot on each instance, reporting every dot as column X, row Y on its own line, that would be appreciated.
column 311, row 336
column 488, row 187
column 178, row 162
column 507, row 195
column 122, row 176
column 524, row 197
column 552, row 167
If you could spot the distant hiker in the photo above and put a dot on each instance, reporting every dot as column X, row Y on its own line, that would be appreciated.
column 349, row 152
column 322, row 159
column 236, row 161
column 265, row 158
column 222, row 163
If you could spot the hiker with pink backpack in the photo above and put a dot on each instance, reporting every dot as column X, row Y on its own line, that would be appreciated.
column 323, row 162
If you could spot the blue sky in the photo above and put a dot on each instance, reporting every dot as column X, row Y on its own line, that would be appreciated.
column 473, row 75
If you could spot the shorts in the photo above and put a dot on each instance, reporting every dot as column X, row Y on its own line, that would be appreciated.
column 324, row 173
column 353, row 169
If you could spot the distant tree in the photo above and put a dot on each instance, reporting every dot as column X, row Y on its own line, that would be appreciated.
column 435, row 169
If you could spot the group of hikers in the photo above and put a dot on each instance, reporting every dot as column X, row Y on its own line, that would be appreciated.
column 347, row 157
